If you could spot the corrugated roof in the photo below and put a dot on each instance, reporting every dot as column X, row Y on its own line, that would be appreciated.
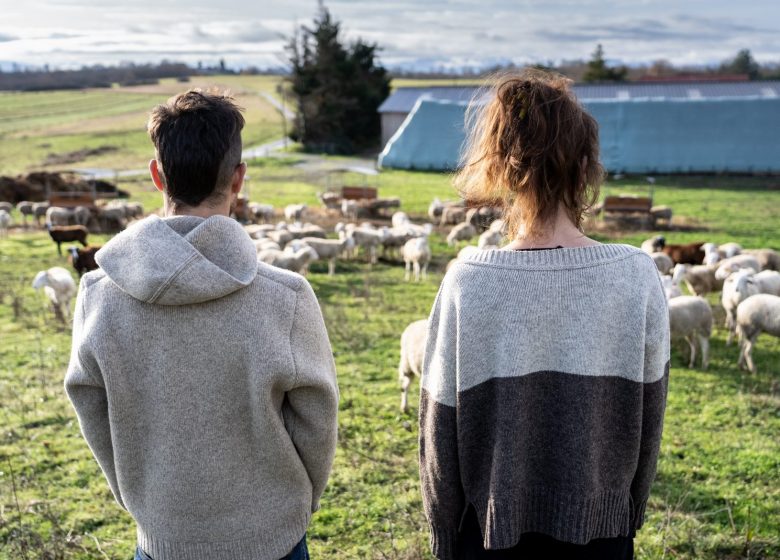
column 403, row 99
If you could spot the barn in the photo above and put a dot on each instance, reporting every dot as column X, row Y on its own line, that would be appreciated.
column 706, row 127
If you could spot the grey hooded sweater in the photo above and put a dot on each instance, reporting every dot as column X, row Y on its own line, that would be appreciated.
column 543, row 394
column 205, row 386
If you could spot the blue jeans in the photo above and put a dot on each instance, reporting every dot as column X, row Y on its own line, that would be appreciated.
column 300, row 552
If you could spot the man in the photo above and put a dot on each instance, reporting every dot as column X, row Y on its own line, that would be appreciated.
column 203, row 380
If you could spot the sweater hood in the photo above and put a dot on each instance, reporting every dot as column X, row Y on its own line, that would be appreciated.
column 180, row 260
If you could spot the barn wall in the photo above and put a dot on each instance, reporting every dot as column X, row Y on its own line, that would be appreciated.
column 390, row 123
column 737, row 135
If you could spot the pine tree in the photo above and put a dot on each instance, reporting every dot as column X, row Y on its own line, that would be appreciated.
column 598, row 71
column 338, row 89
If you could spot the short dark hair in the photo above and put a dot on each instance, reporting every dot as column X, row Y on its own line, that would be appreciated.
column 197, row 137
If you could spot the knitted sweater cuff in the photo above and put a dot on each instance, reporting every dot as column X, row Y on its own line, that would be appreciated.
column 444, row 543
column 638, row 513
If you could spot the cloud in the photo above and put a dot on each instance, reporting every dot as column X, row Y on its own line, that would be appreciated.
column 5, row 38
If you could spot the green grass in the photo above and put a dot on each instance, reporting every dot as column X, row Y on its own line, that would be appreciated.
column 717, row 493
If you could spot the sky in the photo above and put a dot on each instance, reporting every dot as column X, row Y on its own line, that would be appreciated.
column 413, row 34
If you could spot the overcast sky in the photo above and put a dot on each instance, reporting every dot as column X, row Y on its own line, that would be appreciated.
column 412, row 33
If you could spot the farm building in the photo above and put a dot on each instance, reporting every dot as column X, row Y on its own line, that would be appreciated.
column 644, row 127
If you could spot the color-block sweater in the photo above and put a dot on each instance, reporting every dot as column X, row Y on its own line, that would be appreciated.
column 543, row 394
column 205, row 386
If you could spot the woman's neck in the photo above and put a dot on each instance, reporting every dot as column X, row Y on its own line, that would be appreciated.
column 561, row 233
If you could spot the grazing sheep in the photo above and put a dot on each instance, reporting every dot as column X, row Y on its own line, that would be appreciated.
column 39, row 211
column 699, row 278
column 329, row 249
column 768, row 259
column 690, row 318
column 59, row 287
column 25, row 208
column 83, row 260
column 57, row 216
column 394, row 239
column 489, row 238
column 461, row 232
column 294, row 212
column 728, row 250
column 350, row 209
column 417, row 255
column 689, row 253
column 81, row 215
column 306, row 230
column 736, row 288
column 265, row 243
column 60, row 234
column 671, row 288
column 498, row 225
column 711, row 254
column 757, row 314
column 296, row 262
column 662, row 261
column 5, row 223
column 262, row 212
column 435, row 209
column 7, row 206
column 281, row 236
column 413, row 341
column 662, row 213
column 452, row 215
column 367, row 239
column 654, row 244
column 258, row 231
column 768, row 282
column 732, row 264
column 400, row 219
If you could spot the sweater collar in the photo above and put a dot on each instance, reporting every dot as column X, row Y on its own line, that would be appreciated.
column 564, row 257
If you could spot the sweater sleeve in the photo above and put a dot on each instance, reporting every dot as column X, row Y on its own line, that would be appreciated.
column 442, row 490
column 312, row 403
column 656, row 380
column 87, row 393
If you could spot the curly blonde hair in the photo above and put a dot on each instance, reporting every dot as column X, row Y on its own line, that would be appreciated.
column 530, row 148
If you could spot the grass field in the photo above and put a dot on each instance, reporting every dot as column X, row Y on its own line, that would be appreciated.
column 717, row 493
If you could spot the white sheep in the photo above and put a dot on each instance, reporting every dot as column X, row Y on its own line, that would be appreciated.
column 731, row 249
column 350, row 209
column 258, row 231
column 7, row 206
column 265, row 243
column 736, row 288
column 690, row 318
column 653, row 245
column 757, row 314
column 262, row 212
column 294, row 212
column 699, row 278
column 435, row 209
column 394, row 239
column 732, row 264
column 768, row 282
column 400, row 219
column 59, row 287
column 711, row 254
column 25, row 208
column 367, row 239
column 296, row 262
column 57, row 216
column 413, row 341
column 329, row 249
column 417, row 255
column 663, row 262
column 461, row 232
column 5, row 223
column 768, row 259
column 671, row 287
column 452, row 215
column 39, row 211
column 489, row 237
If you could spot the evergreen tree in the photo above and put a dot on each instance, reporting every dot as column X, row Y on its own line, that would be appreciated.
column 598, row 71
column 743, row 63
column 338, row 89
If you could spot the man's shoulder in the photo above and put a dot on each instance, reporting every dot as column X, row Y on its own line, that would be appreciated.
column 282, row 279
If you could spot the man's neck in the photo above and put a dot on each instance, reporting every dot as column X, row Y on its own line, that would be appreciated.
column 201, row 211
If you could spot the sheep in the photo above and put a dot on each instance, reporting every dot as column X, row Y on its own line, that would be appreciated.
column 39, row 211
column 488, row 238
column 461, row 232
column 281, row 236
column 689, row 253
column 258, row 231
column 81, row 215
column 265, row 243
column 5, row 223
column 400, row 219
column 654, row 244
column 435, row 209
column 368, row 239
column 736, row 288
column 329, row 249
column 57, row 216
column 7, row 206
column 662, row 261
column 417, row 255
column 731, row 249
column 59, row 234
column 112, row 218
column 699, row 278
column 498, row 225
column 25, row 208
column 662, row 213
column 757, row 314
column 395, row 238
column 306, row 230
column 413, row 341
column 134, row 210
column 83, row 260
column 768, row 259
column 768, row 282
column 59, row 287
column 690, row 318
column 452, row 215
column 295, row 262
column 262, row 212
column 671, row 287
column 732, row 264
column 294, row 212
column 711, row 254
column 350, row 209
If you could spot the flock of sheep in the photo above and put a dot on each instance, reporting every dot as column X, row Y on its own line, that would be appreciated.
column 748, row 280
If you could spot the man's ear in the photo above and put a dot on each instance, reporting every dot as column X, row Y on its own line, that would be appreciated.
column 154, row 171
column 238, row 178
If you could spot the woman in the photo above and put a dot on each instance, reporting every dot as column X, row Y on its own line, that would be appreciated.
column 545, row 374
